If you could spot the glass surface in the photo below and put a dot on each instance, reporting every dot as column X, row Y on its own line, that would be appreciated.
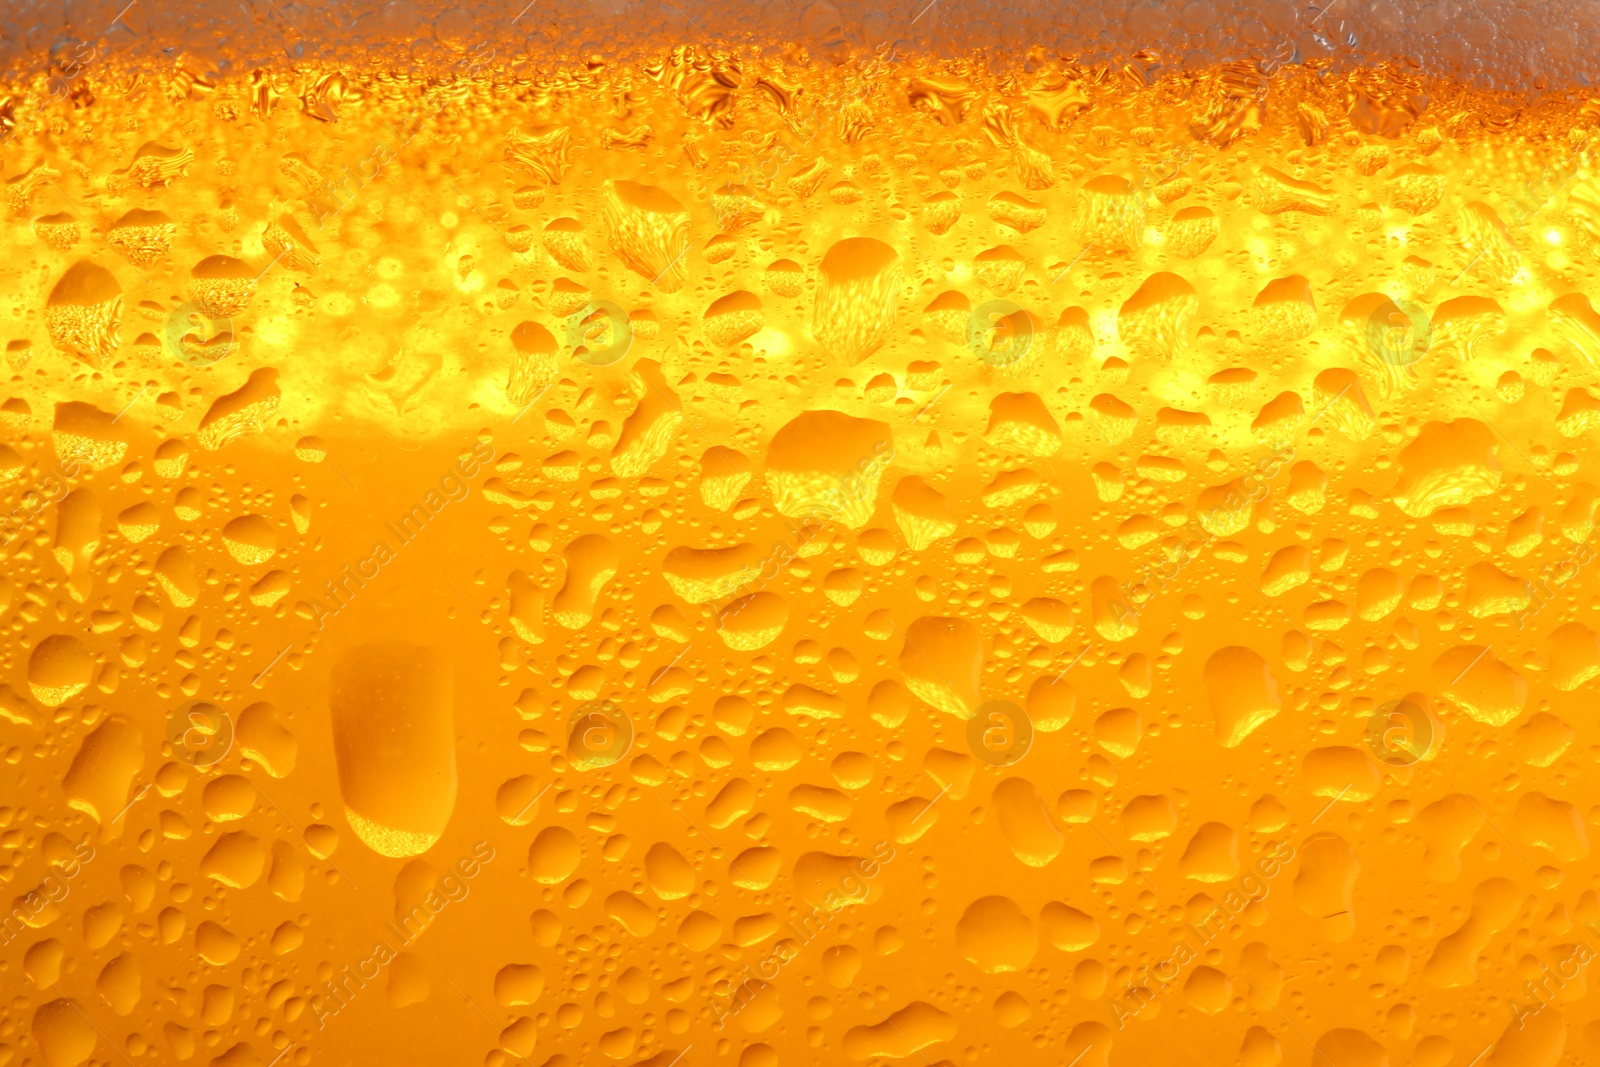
column 669, row 534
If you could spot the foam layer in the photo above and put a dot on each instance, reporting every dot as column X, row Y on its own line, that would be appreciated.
column 1493, row 44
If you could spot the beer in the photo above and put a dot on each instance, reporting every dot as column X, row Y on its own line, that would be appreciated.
column 723, row 551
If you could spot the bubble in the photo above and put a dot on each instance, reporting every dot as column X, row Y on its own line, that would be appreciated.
column 199, row 733
column 453, row 28
column 59, row 668
column 855, row 301
column 391, row 706
column 1000, row 734
column 995, row 935
column 65, row 1035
